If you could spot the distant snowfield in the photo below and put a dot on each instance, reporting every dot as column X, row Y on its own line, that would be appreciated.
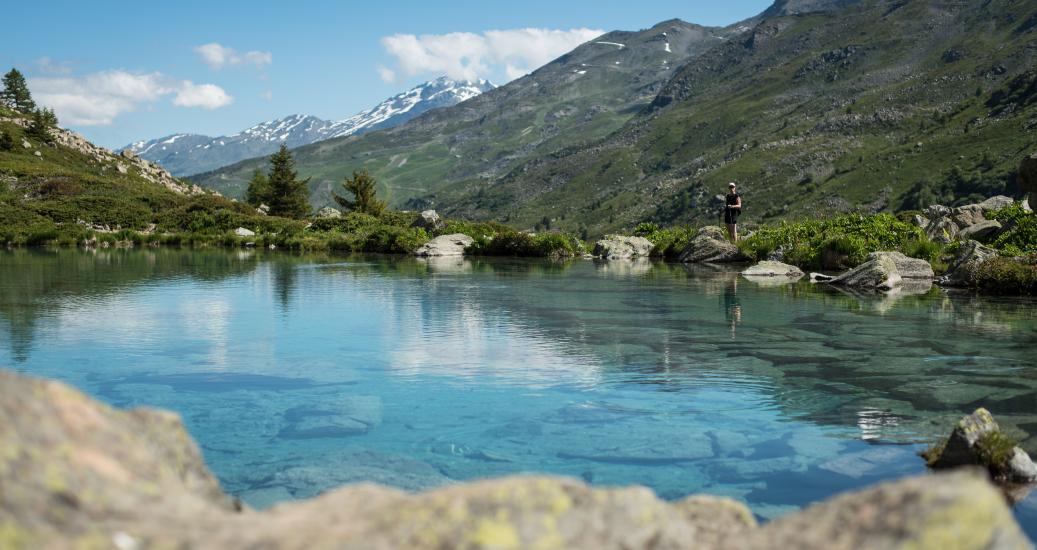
column 617, row 44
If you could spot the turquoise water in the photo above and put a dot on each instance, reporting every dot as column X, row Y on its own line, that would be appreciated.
column 299, row 374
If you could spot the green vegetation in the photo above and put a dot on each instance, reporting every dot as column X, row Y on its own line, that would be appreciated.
column 365, row 199
column 838, row 241
column 1008, row 276
column 1021, row 237
column 287, row 194
column 15, row 94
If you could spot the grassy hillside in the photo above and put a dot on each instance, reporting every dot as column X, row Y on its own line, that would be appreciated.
column 880, row 106
column 584, row 95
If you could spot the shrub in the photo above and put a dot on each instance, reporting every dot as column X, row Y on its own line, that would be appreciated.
column 1008, row 276
column 1021, row 235
column 669, row 242
column 644, row 229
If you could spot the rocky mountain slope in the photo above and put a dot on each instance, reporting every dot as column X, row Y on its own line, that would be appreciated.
column 583, row 95
column 185, row 154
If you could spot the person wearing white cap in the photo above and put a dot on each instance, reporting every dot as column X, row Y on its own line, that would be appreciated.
column 732, row 209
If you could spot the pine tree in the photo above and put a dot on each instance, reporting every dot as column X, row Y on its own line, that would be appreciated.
column 15, row 94
column 362, row 186
column 288, row 194
column 258, row 189
column 6, row 141
column 42, row 122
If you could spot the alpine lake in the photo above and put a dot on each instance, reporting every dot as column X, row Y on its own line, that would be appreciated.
column 297, row 374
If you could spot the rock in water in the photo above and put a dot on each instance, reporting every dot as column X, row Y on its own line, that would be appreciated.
column 773, row 269
column 908, row 267
column 959, row 449
column 242, row 232
column 964, row 269
column 977, row 441
column 429, row 221
column 446, row 245
column 876, row 274
column 329, row 212
column 710, row 245
column 619, row 247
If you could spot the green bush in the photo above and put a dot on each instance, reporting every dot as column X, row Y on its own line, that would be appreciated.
column 1008, row 276
column 1021, row 235
column 668, row 243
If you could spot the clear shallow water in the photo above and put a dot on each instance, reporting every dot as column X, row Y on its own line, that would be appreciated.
column 299, row 374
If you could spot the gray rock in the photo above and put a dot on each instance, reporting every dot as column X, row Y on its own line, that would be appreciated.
column 936, row 211
column 122, row 168
column 446, row 245
column 981, row 231
column 329, row 213
column 242, row 232
column 963, row 271
column 128, row 154
column 942, row 230
column 773, row 269
column 820, row 278
column 263, row 210
column 619, row 247
column 877, row 274
column 26, row 144
column 996, row 203
column 967, row 215
column 960, row 447
column 909, row 268
column 1021, row 468
column 429, row 220
column 1026, row 205
column 1027, row 177
column 710, row 245
column 920, row 221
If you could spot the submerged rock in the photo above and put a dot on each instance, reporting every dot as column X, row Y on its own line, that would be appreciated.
column 773, row 269
column 619, row 247
column 965, row 268
column 710, row 245
column 77, row 473
column 977, row 440
column 446, row 245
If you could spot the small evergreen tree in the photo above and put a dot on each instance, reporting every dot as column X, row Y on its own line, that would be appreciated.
column 258, row 189
column 15, row 94
column 362, row 186
column 6, row 141
column 42, row 122
column 288, row 195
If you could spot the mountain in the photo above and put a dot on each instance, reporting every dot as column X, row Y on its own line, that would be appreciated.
column 185, row 154
column 583, row 95
column 814, row 106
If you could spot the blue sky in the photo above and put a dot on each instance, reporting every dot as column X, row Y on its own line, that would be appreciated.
column 121, row 71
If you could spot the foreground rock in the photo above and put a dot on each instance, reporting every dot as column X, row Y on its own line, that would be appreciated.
column 769, row 268
column 977, row 440
column 445, row 245
column 964, row 271
column 879, row 273
column 619, row 247
column 710, row 245
column 907, row 267
column 76, row 473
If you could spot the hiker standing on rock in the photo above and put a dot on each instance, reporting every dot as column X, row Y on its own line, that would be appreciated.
column 732, row 209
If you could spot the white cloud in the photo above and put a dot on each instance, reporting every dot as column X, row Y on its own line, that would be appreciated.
column 97, row 99
column 267, row 95
column 464, row 55
column 386, row 74
column 47, row 65
column 206, row 96
column 217, row 56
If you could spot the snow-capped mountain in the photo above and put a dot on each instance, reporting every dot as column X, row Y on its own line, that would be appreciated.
column 186, row 154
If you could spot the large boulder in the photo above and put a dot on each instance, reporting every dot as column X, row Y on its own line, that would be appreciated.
column 942, row 230
column 996, row 203
column 242, row 232
column 773, row 269
column 908, row 267
column 982, row 231
column 430, row 221
column 78, row 474
column 965, row 267
column 879, row 273
column 619, row 247
column 1027, row 177
column 446, row 245
column 977, row 440
column 968, row 215
column 710, row 245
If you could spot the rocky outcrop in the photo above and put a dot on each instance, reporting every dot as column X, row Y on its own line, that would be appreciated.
column 446, row 245
column 996, row 203
column 945, row 225
column 242, row 232
column 430, row 221
column 981, row 231
column 619, row 247
column 76, row 473
column 710, row 245
column 773, row 269
column 1027, row 178
column 977, row 440
column 879, row 273
column 328, row 213
column 964, row 270
column 908, row 267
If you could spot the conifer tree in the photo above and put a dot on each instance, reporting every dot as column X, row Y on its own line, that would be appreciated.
column 6, row 141
column 42, row 122
column 15, row 94
column 288, row 194
column 258, row 189
column 362, row 186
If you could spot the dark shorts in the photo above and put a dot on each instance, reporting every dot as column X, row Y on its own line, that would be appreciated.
column 731, row 215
